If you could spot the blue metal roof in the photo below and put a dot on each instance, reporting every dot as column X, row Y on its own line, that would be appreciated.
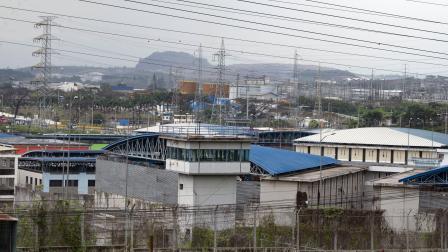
column 4, row 135
column 437, row 176
column 277, row 161
column 430, row 135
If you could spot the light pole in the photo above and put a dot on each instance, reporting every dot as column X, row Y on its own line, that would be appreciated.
column 320, row 162
column 67, row 182
column 409, row 133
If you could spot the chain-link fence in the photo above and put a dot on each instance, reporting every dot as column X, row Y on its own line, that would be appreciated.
column 69, row 226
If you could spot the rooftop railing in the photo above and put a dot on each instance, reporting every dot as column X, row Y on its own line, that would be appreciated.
column 207, row 130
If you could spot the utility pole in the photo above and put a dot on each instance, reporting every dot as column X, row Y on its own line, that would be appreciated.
column 404, row 81
column 44, row 66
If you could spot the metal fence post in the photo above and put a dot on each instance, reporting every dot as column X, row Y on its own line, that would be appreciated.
column 255, row 229
column 83, row 239
column 215, row 245
column 298, row 230
column 372, row 230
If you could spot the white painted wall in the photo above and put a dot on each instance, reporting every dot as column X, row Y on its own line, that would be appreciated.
column 272, row 191
column 399, row 157
column 330, row 152
column 21, row 178
column 398, row 203
column 343, row 154
column 207, row 167
column 214, row 190
column 82, row 178
column 385, row 156
column 186, row 194
column 371, row 155
column 357, row 154
column 302, row 149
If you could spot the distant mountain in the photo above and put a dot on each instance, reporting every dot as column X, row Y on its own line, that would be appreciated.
column 163, row 61
column 185, row 65
column 10, row 75
column 285, row 71
column 182, row 66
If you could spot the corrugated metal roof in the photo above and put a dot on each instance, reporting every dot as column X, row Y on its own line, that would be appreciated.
column 5, row 217
column 394, row 180
column 277, row 161
column 313, row 176
column 426, row 174
column 381, row 136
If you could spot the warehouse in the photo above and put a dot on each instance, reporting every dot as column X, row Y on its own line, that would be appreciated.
column 378, row 145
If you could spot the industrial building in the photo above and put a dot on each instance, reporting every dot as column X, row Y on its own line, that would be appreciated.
column 58, row 171
column 254, row 88
column 8, row 233
column 23, row 144
column 378, row 145
column 8, row 178
column 322, row 180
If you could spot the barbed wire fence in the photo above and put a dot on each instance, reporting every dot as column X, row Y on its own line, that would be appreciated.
column 72, row 226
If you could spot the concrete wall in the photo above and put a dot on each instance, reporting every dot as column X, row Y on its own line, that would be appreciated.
column 146, row 183
column 344, row 191
column 214, row 190
column 400, row 205
column 272, row 191
column 186, row 190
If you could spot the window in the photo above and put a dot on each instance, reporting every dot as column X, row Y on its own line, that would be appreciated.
column 204, row 155
column 181, row 186
column 55, row 183
column 35, row 181
column 40, row 181
column 91, row 183
column 26, row 180
column 73, row 183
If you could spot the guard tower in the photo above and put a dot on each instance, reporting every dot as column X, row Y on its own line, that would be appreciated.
column 208, row 159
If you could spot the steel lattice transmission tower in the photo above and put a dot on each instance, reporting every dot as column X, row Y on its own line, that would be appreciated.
column 318, row 102
column 295, row 79
column 44, row 66
column 220, row 55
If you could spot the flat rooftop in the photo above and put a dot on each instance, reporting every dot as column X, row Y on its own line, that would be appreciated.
column 314, row 175
column 394, row 180
column 18, row 140
column 202, row 131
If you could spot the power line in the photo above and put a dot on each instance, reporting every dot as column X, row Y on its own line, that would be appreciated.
column 271, row 32
column 274, row 16
column 365, row 11
column 145, row 61
column 427, row 2
column 237, row 39
column 341, row 17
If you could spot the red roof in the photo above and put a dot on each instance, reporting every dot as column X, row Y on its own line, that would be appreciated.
column 5, row 217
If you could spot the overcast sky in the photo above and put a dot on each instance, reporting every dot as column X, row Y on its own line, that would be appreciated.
column 13, row 56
